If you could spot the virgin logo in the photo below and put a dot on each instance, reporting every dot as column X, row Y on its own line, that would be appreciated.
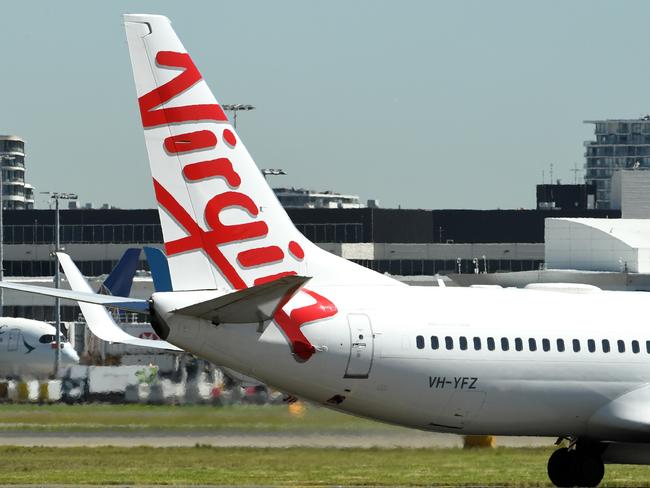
column 209, row 241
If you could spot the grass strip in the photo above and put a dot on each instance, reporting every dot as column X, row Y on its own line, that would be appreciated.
column 290, row 467
column 203, row 418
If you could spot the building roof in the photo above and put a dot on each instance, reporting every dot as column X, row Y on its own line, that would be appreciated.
column 633, row 232
column 645, row 118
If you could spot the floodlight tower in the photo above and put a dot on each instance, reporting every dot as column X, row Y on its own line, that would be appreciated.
column 272, row 172
column 56, row 196
column 234, row 108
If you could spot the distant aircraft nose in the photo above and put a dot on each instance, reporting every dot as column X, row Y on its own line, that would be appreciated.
column 69, row 356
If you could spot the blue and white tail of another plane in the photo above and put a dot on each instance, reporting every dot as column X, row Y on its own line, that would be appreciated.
column 162, row 280
column 99, row 320
column 119, row 281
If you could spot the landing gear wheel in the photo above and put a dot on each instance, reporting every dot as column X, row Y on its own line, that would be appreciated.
column 561, row 468
column 590, row 470
column 575, row 468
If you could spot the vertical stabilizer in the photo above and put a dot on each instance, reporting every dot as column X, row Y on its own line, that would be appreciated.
column 223, row 227
column 119, row 281
column 162, row 280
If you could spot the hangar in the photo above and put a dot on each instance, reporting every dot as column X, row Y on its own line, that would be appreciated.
column 618, row 245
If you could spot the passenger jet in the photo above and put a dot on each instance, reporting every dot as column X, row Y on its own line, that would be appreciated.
column 252, row 294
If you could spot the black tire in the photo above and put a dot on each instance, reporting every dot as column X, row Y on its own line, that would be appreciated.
column 590, row 470
column 561, row 468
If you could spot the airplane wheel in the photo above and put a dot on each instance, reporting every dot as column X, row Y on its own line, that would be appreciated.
column 562, row 468
column 590, row 470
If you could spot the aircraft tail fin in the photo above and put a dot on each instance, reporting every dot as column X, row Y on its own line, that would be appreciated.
column 120, row 280
column 162, row 280
column 222, row 224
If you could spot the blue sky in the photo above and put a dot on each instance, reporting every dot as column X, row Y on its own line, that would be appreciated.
column 421, row 104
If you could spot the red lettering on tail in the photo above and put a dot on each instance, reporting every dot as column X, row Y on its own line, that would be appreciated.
column 184, row 81
column 197, row 238
column 260, row 256
column 236, row 232
column 207, row 241
column 209, row 169
column 273, row 277
column 192, row 141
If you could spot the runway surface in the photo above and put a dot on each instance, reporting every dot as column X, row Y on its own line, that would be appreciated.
column 409, row 439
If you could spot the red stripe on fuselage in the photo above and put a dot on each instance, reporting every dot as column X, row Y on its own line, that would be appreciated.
column 291, row 323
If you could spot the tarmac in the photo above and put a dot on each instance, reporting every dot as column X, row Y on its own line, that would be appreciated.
column 409, row 439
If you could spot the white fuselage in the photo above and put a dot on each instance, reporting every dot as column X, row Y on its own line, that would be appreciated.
column 27, row 349
column 386, row 376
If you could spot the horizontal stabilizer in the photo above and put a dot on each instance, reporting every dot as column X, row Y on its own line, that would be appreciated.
column 247, row 306
column 98, row 319
column 130, row 304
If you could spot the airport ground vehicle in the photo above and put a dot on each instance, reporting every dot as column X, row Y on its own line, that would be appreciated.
column 252, row 294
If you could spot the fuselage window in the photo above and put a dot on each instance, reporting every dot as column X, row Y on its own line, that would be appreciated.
column 532, row 345
column 576, row 345
column 606, row 347
column 546, row 345
column 490, row 344
column 621, row 345
column 560, row 345
column 449, row 343
column 419, row 341
column 463, row 343
column 504, row 344
column 477, row 343
column 635, row 347
column 591, row 345
column 518, row 344
column 435, row 344
column 647, row 346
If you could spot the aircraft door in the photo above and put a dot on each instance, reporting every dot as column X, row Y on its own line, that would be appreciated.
column 362, row 345
column 12, row 341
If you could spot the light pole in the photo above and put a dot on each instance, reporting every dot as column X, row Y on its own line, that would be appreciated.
column 234, row 108
column 56, row 196
column 272, row 172
column 3, row 158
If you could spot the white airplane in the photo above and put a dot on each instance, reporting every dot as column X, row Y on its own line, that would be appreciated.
column 253, row 294
column 28, row 347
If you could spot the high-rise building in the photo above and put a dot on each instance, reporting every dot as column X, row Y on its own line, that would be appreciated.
column 619, row 144
column 15, row 193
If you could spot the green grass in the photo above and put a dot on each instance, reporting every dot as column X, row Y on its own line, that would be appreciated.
column 255, row 466
column 289, row 467
column 206, row 419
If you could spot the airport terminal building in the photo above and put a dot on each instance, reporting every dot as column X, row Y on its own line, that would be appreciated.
column 405, row 243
